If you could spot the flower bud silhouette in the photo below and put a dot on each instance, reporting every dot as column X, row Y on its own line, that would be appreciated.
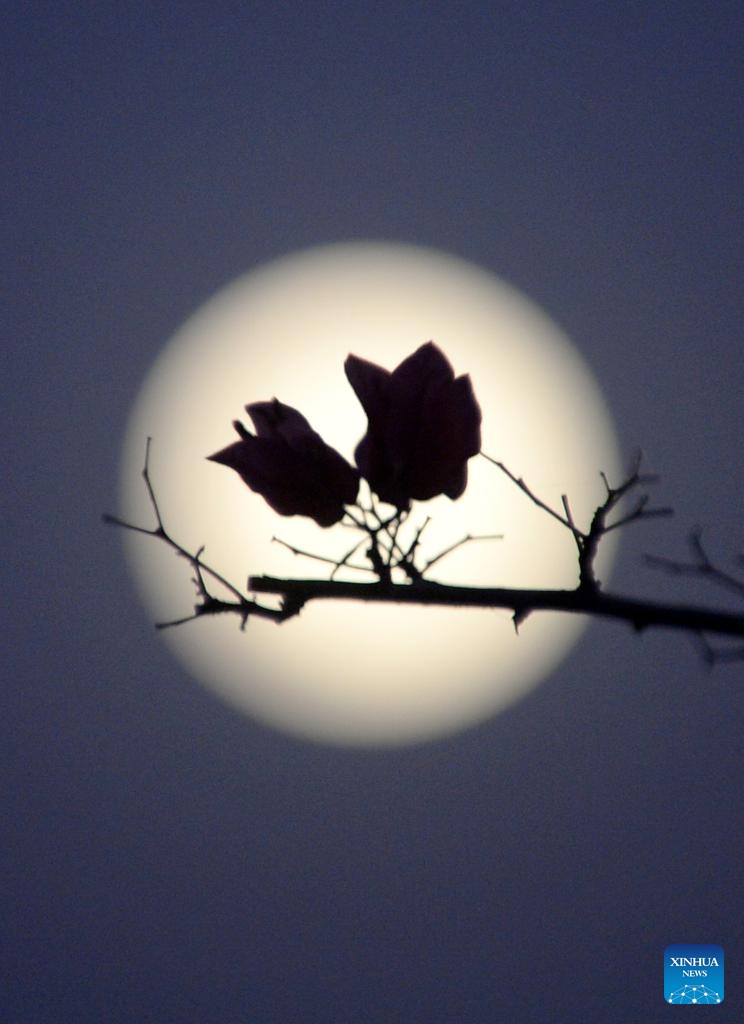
column 423, row 426
column 290, row 465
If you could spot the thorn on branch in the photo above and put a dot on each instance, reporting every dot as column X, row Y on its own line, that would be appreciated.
column 519, row 616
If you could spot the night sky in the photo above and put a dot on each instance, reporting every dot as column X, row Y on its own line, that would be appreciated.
column 166, row 860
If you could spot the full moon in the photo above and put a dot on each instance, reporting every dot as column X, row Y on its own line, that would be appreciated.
column 344, row 672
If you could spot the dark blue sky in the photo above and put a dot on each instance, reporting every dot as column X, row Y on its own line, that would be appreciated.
column 168, row 861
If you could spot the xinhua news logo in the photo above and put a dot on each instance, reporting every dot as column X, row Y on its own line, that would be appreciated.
column 693, row 974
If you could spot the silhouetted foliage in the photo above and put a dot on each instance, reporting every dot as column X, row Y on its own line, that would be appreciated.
column 423, row 427
column 290, row 465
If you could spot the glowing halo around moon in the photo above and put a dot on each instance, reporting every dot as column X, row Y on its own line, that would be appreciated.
column 346, row 672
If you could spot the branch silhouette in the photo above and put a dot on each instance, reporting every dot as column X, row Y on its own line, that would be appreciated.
column 387, row 555
column 208, row 604
column 423, row 427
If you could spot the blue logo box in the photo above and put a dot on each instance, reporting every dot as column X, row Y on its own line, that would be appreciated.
column 693, row 974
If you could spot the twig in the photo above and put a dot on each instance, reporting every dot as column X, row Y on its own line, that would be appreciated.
column 585, row 599
column 700, row 566
column 323, row 558
column 467, row 539
column 587, row 542
column 599, row 525
column 530, row 494
column 210, row 605
column 715, row 655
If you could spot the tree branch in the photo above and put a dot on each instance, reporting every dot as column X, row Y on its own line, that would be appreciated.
column 586, row 599
column 638, row 614
column 208, row 603
column 701, row 566
column 588, row 541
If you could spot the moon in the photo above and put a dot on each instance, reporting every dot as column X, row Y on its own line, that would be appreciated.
column 347, row 673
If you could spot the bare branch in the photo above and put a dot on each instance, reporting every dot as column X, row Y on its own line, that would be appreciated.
column 467, row 539
column 387, row 553
column 639, row 614
column 587, row 542
column 530, row 494
column 600, row 525
column 713, row 655
column 323, row 558
column 701, row 565
column 209, row 604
